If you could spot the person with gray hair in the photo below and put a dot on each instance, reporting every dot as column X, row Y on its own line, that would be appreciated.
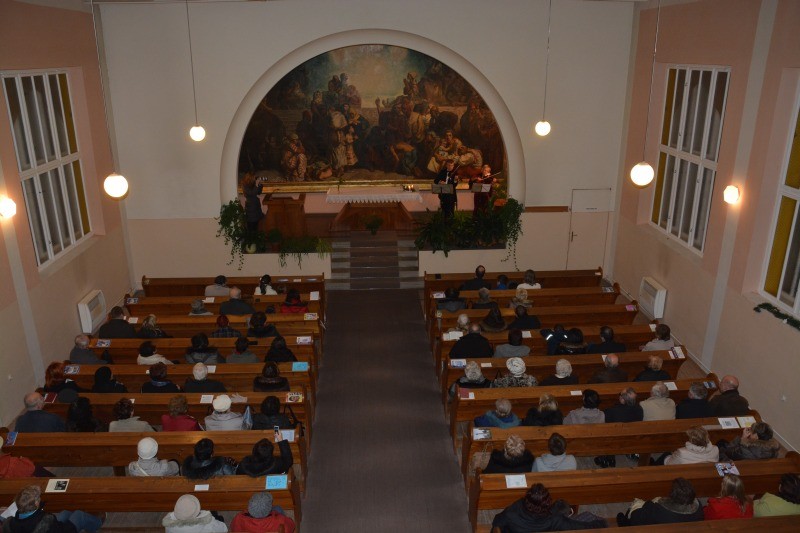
column 81, row 354
column 659, row 406
column 501, row 417
column 696, row 404
column 529, row 280
column 199, row 381
column 512, row 459
column 473, row 344
column 36, row 420
column 698, row 449
column 473, row 378
column 612, row 373
column 729, row 402
column 626, row 410
column 462, row 324
column 198, row 309
column 516, row 376
column 484, row 300
column 653, row 371
column 563, row 375
column 235, row 305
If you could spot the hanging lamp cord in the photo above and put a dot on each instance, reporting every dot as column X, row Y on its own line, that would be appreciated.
column 652, row 74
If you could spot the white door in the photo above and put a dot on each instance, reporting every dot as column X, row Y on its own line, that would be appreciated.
column 588, row 231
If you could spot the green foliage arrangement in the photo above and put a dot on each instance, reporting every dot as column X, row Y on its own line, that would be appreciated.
column 373, row 223
column 297, row 247
column 780, row 315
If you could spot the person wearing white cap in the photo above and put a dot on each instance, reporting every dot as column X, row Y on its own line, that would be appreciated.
column 199, row 381
column 222, row 419
column 189, row 517
column 517, row 376
column 148, row 464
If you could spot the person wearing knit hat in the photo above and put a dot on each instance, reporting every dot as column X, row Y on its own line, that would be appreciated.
column 262, row 516
column 473, row 378
column 517, row 376
column 199, row 381
column 148, row 464
column 222, row 419
column 189, row 517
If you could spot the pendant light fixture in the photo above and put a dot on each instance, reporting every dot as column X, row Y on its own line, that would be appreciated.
column 542, row 127
column 197, row 132
column 642, row 173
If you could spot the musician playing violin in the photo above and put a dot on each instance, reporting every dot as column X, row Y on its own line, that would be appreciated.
column 482, row 198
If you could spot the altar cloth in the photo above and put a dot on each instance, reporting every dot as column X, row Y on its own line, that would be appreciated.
column 371, row 195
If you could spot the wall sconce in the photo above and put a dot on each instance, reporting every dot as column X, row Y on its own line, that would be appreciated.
column 7, row 207
column 731, row 194
column 115, row 185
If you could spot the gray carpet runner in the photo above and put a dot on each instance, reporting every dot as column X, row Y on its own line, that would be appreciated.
column 382, row 459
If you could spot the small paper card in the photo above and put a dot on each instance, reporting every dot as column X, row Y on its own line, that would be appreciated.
column 526, row 334
column 133, row 320
column 288, row 434
column 670, row 385
column 481, row 433
column 133, row 400
column 516, row 481
column 300, row 366
column 313, row 296
column 604, row 356
column 598, row 273
column 211, row 368
column 726, row 468
column 311, row 279
column 304, row 340
column 576, row 393
column 282, row 279
column 744, row 421
column 129, row 301
column 679, row 352
column 653, row 328
column 208, row 300
column 10, row 511
column 310, row 316
column 11, row 438
column 438, row 313
column 296, row 280
column 294, row 397
column 50, row 397
column 277, row 482
column 200, row 488
column 57, row 485
column 458, row 363
column 486, row 365
column 438, row 295
column 630, row 307
column 207, row 398
column 103, row 343
column 452, row 335
column 608, row 289
column 72, row 369
column 728, row 422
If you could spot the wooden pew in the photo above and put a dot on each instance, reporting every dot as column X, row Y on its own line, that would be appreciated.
column 773, row 524
column 154, row 494
column 643, row 438
column 197, row 285
column 613, row 485
column 287, row 324
column 150, row 407
column 568, row 397
column 234, row 376
column 542, row 366
column 181, row 305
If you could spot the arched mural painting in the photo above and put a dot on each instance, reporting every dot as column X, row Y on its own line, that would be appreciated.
column 369, row 114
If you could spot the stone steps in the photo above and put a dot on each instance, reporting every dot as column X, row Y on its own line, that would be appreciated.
column 383, row 261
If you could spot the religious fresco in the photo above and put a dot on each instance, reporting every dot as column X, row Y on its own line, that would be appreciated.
column 369, row 113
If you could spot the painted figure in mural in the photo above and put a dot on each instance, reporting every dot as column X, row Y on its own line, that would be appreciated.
column 410, row 86
column 294, row 161
column 350, row 151
column 360, row 127
column 448, row 176
column 447, row 150
column 481, row 199
column 441, row 121
column 305, row 133
column 337, row 151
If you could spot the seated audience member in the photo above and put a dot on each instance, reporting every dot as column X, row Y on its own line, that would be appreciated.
column 117, row 326
column 158, row 380
column 695, row 405
column 588, row 413
column 32, row 518
column 534, row 512
column 82, row 355
column 484, row 300
column 787, row 501
column 150, row 329
column 271, row 416
column 451, row 301
column 681, row 506
column 270, row 379
column 524, row 321
column 698, row 449
column 201, row 352
column 529, row 281
column 626, row 410
column 558, row 459
column 554, row 337
column 473, row 344
column 516, row 376
column 728, row 402
column 473, row 378
column 653, row 371
column 55, row 381
column 259, row 327
column 224, row 331
column 104, row 381
column 731, row 502
column 203, row 464
column 124, row 421
column 546, row 414
column 15, row 467
column 462, row 324
column 502, row 282
column 148, row 356
column 514, row 348
column 756, row 442
column 263, row 463
column 199, row 309
column 189, row 517
column 573, row 344
column 148, row 464
column 177, row 419
column 493, row 321
column 261, row 516
column 80, row 418
column 36, row 420
column 235, row 305
column 223, row 419
column 241, row 352
column 293, row 303
column 218, row 288
column 659, row 406
column 199, row 381
column 563, row 375
column 608, row 345
column 501, row 417
column 477, row 282
column 512, row 459
column 612, row 373
column 278, row 352
column 265, row 286
column 663, row 340
column 520, row 299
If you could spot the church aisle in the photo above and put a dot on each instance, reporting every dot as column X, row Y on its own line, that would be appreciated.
column 382, row 459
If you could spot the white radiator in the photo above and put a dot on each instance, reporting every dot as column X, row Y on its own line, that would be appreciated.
column 652, row 298
column 92, row 311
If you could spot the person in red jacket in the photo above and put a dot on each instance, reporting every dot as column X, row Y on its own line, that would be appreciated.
column 177, row 419
column 14, row 467
column 261, row 516
column 731, row 503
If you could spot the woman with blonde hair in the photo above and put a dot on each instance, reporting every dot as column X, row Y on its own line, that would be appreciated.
column 731, row 503
column 698, row 449
column 520, row 298
column 150, row 329
column 512, row 459
column 547, row 414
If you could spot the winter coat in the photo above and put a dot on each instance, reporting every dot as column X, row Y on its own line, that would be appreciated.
column 216, row 466
column 726, row 507
column 553, row 463
column 543, row 418
column 179, row 423
column 649, row 374
column 729, row 403
column 267, row 330
column 692, row 453
column 262, row 384
column 227, row 421
column 665, row 511
column 244, row 357
column 692, row 408
column 159, row 387
column 555, row 380
column 256, row 466
column 772, row 505
column 492, row 419
column 738, row 449
column 280, row 356
column 38, row 522
column 465, row 383
column 129, row 424
column 152, row 467
column 658, row 409
column 508, row 350
column 203, row 385
column 11, row 466
column 471, row 345
column 583, row 415
column 210, row 357
column 525, row 380
column 500, row 464
column 516, row 519
column 262, row 421
column 624, row 413
column 272, row 522
column 203, row 523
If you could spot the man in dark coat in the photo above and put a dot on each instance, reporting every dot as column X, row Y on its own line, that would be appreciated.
column 627, row 410
column 477, row 282
column 534, row 513
column 447, row 176
column 473, row 344
column 35, row 420
column 608, row 345
column 696, row 405
column 523, row 320
column 81, row 354
column 117, row 326
column 729, row 402
column 199, row 381
column 235, row 305
column 612, row 373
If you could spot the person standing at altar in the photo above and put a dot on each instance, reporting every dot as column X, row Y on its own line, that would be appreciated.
column 252, row 204
column 481, row 199
column 447, row 176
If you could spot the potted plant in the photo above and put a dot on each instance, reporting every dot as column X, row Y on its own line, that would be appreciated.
column 232, row 228
column 274, row 238
column 373, row 223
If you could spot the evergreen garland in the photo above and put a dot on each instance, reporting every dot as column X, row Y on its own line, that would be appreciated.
column 780, row 315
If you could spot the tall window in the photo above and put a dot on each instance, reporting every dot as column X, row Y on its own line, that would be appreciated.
column 783, row 269
column 688, row 151
column 48, row 156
